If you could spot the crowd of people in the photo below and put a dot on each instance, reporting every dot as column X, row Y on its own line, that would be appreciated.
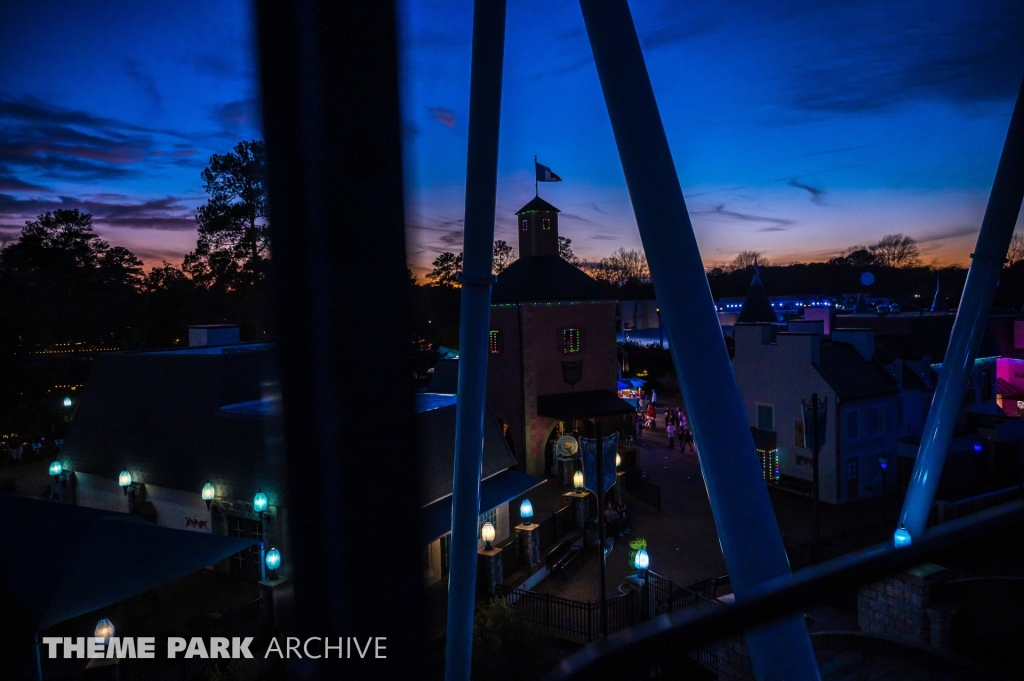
column 677, row 426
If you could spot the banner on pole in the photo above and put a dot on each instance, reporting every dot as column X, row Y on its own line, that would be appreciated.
column 588, row 447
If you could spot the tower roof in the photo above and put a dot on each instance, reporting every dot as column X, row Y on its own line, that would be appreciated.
column 535, row 204
column 756, row 306
column 546, row 277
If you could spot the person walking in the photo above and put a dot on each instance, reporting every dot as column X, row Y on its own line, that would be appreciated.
column 640, row 427
column 670, row 432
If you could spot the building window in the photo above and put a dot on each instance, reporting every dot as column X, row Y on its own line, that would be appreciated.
column 852, row 470
column 246, row 563
column 545, row 223
column 766, row 417
column 525, row 223
column 876, row 420
column 570, row 341
column 852, row 425
column 494, row 342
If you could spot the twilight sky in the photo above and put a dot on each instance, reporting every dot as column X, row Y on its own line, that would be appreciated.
column 798, row 128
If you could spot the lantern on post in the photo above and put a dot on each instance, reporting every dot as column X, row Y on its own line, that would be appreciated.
column 901, row 537
column 273, row 561
column 526, row 511
column 104, row 630
column 577, row 481
column 56, row 468
column 487, row 534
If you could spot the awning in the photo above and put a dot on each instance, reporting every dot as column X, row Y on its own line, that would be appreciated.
column 582, row 405
column 494, row 491
column 61, row 561
column 764, row 440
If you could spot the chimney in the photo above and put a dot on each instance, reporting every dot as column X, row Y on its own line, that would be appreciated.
column 862, row 339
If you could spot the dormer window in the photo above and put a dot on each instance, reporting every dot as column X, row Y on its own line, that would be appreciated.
column 545, row 223
column 525, row 224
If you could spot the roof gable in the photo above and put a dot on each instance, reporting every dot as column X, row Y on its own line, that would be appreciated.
column 850, row 375
column 756, row 306
column 535, row 204
column 546, row 277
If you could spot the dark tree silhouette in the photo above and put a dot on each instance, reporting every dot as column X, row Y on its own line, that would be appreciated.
column 234, row 237
column 446, row 267
column 503, row 256
column 565, row 251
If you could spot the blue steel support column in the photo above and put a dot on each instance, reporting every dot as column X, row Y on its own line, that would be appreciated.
column 476, row 278
column 747, row 529
column 971, row 318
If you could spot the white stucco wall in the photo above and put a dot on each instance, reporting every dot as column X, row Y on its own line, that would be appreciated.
column 173, row 507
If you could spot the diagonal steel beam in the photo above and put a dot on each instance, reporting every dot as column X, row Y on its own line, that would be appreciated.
column 747, row 530
column 971, row 319
column 476, row 278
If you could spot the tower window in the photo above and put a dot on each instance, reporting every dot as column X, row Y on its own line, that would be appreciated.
column 494, row 342
column 570, row 341
column 545, row 223
column 525, row 224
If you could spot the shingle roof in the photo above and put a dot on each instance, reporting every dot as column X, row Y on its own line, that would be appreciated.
column 850, row 375
column 537, row 203
column 756, row 306
column 436, row 430
column 546, row 277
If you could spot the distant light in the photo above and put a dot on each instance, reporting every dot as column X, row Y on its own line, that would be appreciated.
column 259, row 502
column 273, row 559
column 67, row 401
column 883, row 462
column 977, row 446
column 56, row 468
column 641, row 561
column 526, row 511
column 901, row 537
column 487, row 534
column 104, row 630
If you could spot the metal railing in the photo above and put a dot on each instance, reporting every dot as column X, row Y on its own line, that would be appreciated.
column 254, row 619
column 669, row 597
column 578, row 621
column 511, row 557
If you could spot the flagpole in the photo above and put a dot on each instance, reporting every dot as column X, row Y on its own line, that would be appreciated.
column 536, row 190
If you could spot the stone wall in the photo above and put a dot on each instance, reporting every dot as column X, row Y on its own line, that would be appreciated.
column 901, row 607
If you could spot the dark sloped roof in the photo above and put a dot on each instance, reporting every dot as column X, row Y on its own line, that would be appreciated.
column 160, row 414
column 436, row 430
column 756, row 306
column 61, row 561
column 537, row 203
column 910, row 379
column 494, row 491
column 582, row 405
column 850, row 375
column 545, row 277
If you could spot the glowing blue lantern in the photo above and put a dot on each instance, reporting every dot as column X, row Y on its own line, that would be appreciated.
column 883, row 462
column 104, row 630
column 901, row 537
column 67, row 401
column 641, row 561
column 526, row 511
column 273, row 559
column 125, row 481
column 977, row 447
column 208, row 493
column 56, row 468
column 259, row 503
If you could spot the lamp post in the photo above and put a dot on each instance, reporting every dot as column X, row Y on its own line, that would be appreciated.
column 125, row 480
column 811, row 412
column 641, row 561
column 525, row 512
column 259, row 503
column 56, row 468
column 577, row 481
column 883, row 463
column 208, row 493
column 487, row 534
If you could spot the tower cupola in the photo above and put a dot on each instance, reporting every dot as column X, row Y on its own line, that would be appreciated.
column 538, row 228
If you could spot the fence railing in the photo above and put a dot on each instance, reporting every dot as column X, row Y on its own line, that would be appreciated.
column 511, row 557
column 668, row 597
column 578, row 621
column 640, row 488
column 254, row 619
